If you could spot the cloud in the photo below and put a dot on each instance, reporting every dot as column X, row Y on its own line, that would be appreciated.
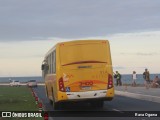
column 119, row 67
column 141, row 53
column 27, row 20
column 21, row 56
column 146, row 54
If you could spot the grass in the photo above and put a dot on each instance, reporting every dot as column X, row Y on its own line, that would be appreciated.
column 17, row 99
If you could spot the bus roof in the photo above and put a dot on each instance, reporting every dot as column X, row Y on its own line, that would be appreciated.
column 75, row 42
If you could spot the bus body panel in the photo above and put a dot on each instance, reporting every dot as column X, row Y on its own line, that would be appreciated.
column 82, row 71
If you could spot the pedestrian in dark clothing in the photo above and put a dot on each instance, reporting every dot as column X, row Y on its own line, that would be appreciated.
column 118, row 78
column 146, row 77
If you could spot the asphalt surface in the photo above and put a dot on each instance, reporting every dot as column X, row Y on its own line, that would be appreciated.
column 118, row 105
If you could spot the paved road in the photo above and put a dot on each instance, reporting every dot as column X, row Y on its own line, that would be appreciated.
column 119, row 105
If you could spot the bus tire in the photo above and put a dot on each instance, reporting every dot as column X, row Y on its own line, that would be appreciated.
column 51, row 102
column 56, row 105
column 46, row 92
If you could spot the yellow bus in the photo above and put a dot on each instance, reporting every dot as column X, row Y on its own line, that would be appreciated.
column 79, row 70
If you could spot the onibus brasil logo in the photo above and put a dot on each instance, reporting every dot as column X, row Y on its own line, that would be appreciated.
column 21, row 114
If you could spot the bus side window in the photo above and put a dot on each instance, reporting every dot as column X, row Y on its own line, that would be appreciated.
column 49, row 64
column 46, row 67
column 54, row 61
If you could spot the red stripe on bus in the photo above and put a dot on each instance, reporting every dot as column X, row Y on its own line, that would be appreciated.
column 81, row 62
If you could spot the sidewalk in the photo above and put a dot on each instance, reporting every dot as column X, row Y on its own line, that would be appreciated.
column 151, row 94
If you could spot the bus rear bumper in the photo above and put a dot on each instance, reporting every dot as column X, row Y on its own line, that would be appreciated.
column 86, row 96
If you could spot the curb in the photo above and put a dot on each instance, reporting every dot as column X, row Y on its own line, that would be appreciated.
column 43, row 107
column 138, row 96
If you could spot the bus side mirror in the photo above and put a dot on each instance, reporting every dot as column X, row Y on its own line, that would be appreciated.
column 43, row 67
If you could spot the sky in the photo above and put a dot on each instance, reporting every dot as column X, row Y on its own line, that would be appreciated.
column 28, row 29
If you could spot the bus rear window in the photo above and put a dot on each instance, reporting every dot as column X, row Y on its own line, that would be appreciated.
column 83, row 53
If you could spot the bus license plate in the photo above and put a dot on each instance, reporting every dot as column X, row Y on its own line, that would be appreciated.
column 86, row 87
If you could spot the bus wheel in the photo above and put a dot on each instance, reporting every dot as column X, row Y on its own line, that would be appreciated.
column 97, row 104
column 56, row 105
column 46, row 92
column 51, row 102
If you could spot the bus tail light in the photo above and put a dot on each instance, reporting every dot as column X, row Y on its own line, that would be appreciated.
column 61, row 85
column 104, row 42
column 62, row 44
column 110, row 81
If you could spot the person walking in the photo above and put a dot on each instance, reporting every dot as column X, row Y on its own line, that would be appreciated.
column 134, row 77
column 146, row 77
column 118, row 78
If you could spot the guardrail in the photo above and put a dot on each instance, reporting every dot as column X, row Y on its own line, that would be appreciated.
column 23, row 84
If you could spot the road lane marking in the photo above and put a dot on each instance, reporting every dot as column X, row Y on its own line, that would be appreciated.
column 117, row 110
